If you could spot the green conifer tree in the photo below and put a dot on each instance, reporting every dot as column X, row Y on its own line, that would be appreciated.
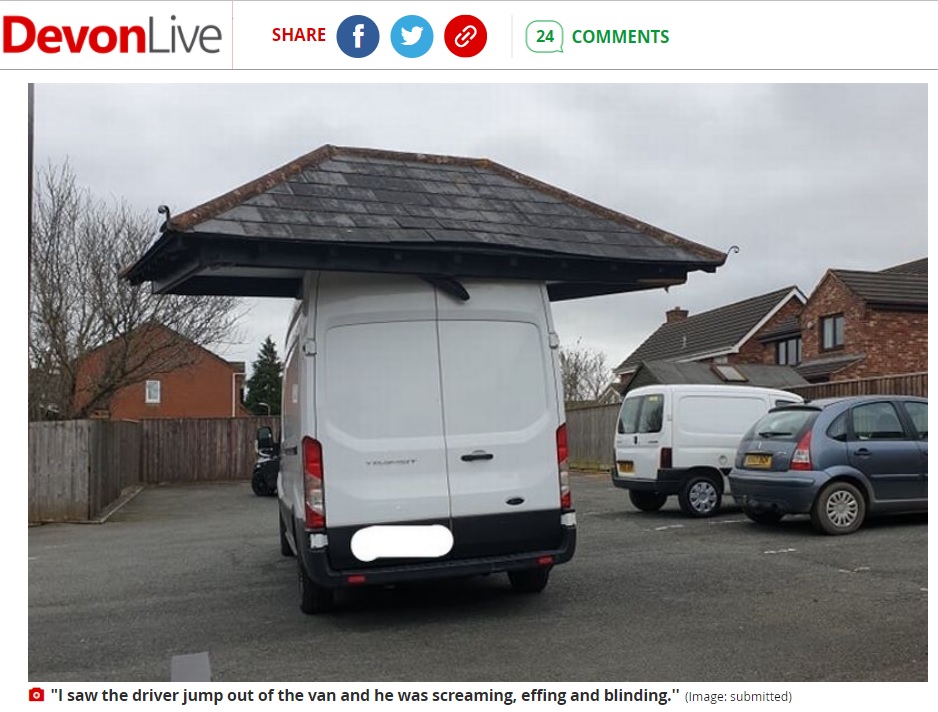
column 264, row 383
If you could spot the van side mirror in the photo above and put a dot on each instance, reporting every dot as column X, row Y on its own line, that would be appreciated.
column 265, row 438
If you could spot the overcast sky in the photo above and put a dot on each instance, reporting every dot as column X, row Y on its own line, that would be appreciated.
column 801, row 178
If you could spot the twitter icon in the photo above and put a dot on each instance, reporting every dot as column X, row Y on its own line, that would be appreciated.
column 411, row 36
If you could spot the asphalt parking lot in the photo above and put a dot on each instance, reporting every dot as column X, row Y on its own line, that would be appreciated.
column 196, row 569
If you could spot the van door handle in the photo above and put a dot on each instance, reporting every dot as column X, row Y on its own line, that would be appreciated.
column 862, row 452
column 477, row 455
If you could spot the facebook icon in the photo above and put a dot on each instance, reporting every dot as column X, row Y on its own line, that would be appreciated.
column 357, row 36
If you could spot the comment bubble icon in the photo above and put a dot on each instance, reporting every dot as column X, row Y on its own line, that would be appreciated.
column 544, row 36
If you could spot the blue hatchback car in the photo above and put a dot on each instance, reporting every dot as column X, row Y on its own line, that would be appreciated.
column 837, row 459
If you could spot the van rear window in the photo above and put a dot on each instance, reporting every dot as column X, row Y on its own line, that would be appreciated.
column 641, row 414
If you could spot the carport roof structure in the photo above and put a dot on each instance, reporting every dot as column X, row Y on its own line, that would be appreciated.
column 440, row 217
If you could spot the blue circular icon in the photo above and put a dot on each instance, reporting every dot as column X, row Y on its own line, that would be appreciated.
column 411, row 36
column 357, row 36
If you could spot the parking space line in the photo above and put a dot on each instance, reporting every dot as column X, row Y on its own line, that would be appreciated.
column 194, row 667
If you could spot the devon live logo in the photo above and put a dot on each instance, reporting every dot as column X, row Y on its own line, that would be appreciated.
column 158, row 36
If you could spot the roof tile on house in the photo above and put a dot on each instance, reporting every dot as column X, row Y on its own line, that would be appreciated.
column 889, row 289
column 827, row 365
column 711, row 332
column 914, row 267
column 767, row 376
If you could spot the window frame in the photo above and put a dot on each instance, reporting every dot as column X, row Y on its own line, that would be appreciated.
column 833, row 320
column 147, row 397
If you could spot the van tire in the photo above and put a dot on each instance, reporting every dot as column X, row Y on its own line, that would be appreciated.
column 314, row 599
column 285, row 547
column 839, row 509
column 700, row 496
column 647, row 501
column 529, row 580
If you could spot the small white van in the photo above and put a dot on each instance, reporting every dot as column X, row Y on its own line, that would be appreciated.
column 681, row 439
column 423, row 434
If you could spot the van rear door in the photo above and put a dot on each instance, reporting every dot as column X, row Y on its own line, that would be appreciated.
column 640, row 435
column 380, row 414
column 500, row 420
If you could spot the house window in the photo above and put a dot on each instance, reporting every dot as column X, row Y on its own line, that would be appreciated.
column 832, row 332
column 153, row 392
column 788, row 352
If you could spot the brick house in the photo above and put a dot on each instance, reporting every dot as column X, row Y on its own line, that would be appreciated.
column 861, row 324
column 178, row 379
column 757, row 330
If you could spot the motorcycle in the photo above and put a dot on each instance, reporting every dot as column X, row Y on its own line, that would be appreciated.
column 266, row 469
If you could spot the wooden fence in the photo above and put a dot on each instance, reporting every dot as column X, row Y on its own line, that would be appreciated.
column 904, row 384
column 591, row 430
column 77, row 468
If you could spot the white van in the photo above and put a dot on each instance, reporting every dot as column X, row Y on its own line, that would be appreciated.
column 682, row 439
column 422, row 434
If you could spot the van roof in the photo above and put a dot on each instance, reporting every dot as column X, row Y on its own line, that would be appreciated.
column 367, row 210
column 707, row 387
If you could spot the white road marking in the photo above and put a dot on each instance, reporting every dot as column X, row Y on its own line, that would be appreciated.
column 779, row 551
column 190, row 668
column 729, row 521
column 669, row 526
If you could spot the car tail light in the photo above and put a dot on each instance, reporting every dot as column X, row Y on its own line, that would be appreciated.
column 801, row 457
column 563, row 468
column 312, row 484
column 665, row 458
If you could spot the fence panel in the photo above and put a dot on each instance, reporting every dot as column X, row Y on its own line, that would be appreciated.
column 58, row 471
column 905, row 384
column 200, row 450
column 591, row 436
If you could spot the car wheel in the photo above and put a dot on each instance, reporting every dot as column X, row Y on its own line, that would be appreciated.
column 839, row 509
column 314, row 599
column 285, row 548
column 529, row 580
column 763, row 516
column 700, row 496
column 647, row 501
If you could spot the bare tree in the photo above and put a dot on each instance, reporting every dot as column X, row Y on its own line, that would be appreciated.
column 81, row 312
column 584, row 372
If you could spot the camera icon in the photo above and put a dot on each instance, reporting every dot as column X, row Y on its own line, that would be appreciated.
column 37, row 694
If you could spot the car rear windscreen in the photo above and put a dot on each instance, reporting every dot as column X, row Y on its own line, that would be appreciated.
column 785, row 425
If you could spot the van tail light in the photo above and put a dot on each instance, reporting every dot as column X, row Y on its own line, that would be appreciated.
column 563, row 469
column 312, row 484
column 665, row 458
column 801, row 457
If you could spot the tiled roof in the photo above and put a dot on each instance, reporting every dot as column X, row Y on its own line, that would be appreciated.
column 716, row 331
column 914, row 267
column 827, row 365
column 893, row 289
column 652, row 372
column 348, row 208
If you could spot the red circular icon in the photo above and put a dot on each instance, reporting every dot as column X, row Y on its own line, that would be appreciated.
column 465, row 36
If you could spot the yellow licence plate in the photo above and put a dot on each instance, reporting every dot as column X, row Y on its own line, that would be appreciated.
column 626, row 467
column 761, row 462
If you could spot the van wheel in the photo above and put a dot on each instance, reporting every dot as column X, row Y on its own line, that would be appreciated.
column 529, row 580
column 313, row 598
column 647, row 501
column 285, row 548
column 763, row 516
column 839, row 509
column 700, row 496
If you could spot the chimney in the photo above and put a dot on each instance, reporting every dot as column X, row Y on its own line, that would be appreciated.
column 675, row 315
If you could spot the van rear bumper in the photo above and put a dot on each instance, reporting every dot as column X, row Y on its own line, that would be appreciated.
column 669, row 481
column 320, row 570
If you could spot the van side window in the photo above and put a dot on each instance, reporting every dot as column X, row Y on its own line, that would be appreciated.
column 919, row 414
column 641, row 414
